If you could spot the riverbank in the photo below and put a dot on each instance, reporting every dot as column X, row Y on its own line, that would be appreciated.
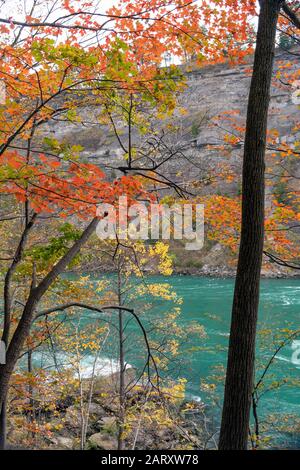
column 220, row 272
column 90, row 420
column 206, row 302
column 214, row 261
column 224, row 272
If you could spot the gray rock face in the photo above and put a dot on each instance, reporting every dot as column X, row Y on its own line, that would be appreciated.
column 215, row 100
column 210, row 92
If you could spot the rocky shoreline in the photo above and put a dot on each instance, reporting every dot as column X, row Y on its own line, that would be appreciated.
column 212, row 271
column 214, row 262
column 227, row 273
column 184, row 426
column 222, row 272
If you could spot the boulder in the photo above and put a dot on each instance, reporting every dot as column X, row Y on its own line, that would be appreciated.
column 62, row 442
column 107, row 421
column 96, row 410
column 110, row 383
column 73, row 415
column 102, row 441
column 107, row 424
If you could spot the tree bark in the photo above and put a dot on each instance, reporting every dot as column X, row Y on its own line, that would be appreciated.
column 121, row 420
column 7, row 314
column 3, row 422
column 121, row 384
column 241, row 355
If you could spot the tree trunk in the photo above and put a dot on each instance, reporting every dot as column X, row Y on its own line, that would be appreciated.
column 121, row 384
column 241, row 354
column 3, row 424
column 31, row 412
column 121, row 423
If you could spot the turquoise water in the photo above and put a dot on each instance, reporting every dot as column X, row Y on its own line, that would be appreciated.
column 208, row 302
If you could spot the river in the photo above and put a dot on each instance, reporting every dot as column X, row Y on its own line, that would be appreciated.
column 207, row 301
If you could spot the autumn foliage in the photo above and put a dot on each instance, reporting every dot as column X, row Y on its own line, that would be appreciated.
column 58, row 60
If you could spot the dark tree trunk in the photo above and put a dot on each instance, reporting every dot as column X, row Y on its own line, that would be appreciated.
column 31, row 413
column 241, row 354
column 121, row 443
column 122, row 384
column 3, row 424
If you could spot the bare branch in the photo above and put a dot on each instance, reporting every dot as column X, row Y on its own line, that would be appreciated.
column 275, row 259
column 291, row 15
column 63, row 307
